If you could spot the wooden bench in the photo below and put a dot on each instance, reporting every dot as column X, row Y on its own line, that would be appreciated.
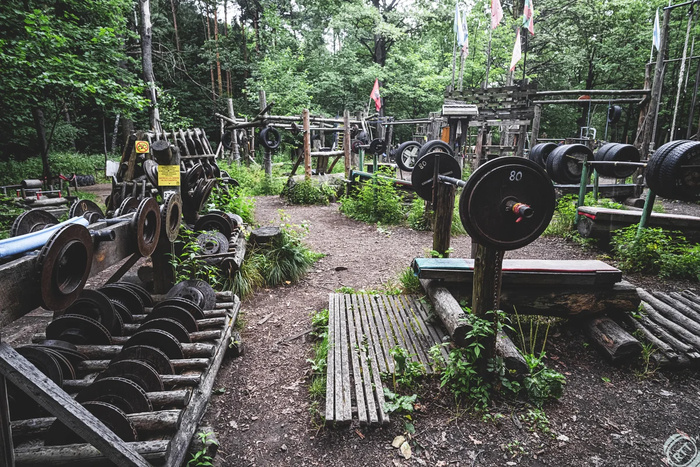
column 595, row 222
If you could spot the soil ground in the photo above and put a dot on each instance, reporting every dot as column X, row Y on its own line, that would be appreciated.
column 608, row 416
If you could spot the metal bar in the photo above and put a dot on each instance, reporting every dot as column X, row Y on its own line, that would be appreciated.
column 673, row 7
column 596, row 178
column 588, row 101
column 362, row 174
column 620, row 92
column 646, row 212
column 582, row 190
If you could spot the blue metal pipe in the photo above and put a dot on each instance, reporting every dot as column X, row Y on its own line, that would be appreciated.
column 32, row 241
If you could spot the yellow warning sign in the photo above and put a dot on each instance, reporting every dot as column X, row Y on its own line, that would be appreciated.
column 141, row 147
column 168, row 175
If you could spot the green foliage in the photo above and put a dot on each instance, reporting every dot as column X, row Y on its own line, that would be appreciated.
column 319, row 362
column 309, row 192
column 409, row 281
column 563, row 221
column 188, row 265
column 536, row 419
column 644, row 253
column 200, row 458
column 232, row 200
column 9, row 210
column 12, row 172
column 542, row 384
column 377, row 200
column 417, row 219
column 253, row 181
column 407, row 370
column 398, row 403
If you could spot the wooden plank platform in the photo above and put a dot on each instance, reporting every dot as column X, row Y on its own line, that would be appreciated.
column 619, row 192
column 522, row 271
column 599, row 222
column 362, row 329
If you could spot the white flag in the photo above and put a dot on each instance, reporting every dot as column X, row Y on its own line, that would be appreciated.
column 517, row 51
column 656, row 37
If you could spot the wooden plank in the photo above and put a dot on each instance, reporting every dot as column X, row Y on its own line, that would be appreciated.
column 400, row 325
column 376, row 378
column 79, row 455
column 419, row 338
column 193, row 413
column 657, row 219
column 7, row 455
column 363, row 354
column 386, row 341
column 330, row 360
column 338, row 357
column 356, row 375
column 344, row 359
column 410, row 333
column 46, row 393
column 370, row 329
column 435, row 331
column 421, row 332
column 396, row 330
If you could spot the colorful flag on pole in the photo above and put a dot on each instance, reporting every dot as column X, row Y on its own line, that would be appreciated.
column 375, row 95
column 656, row 37
column 496, row 13
column 517, row 51
column 465, row 42
column 528, row 13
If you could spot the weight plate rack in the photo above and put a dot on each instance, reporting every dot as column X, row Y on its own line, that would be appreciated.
column 149, row 383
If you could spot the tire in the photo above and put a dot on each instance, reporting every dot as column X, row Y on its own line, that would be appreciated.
column 601, row 155
column 678, row 182
column 435, row 145
column 270, row 138
column 407, row 155
column 562, row 168
column 614, row 114
column 656, row 161
column 540, row 152
column 622, row 153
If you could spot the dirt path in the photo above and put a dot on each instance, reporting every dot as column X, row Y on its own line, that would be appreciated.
column 607, row 415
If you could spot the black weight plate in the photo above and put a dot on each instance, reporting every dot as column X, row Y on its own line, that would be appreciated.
column 32, row 221
column 110, row 415
column 680, row 173
column 482, row 206
column 150, row 355
column 435, row 145
column 96, row 305
column 212, row 243
column 140, row 291
column 78, row 330
column 129, row 205
column 159, row 339
column 64, row 362
column 236, row 219
column 564, row 163
column 422, row 174
column 58, row 344
column 377, row 146
column 147, row 223
column 64, row 264
column 540, row 152
column 126, row 296
column 194, row 174
column 622, row 153
column 124, row 314
column 44, row 361
column 170, row 325
column 196, row 291
column 66, row 349
column 171, row 215
column 215, row 220
column 407, row 155
column 188, row 305
column 81, row 207
column 614, row 114
column 120, row 392
column 180, row 315
column 600, row 155
column 137, row 371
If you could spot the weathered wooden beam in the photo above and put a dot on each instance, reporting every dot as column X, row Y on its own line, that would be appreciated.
column 7, row 456
column 46, row 393
column 449, row 311
column 512, row 358
column 443, row 207
column 587, row 101
column 307, row 144
column 595, row 92
column 346, row 143
column 617, row 343
column 84, row 455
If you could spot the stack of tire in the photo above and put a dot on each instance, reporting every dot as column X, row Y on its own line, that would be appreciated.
column 410, row 151
column 85, row 180
column 673, row 171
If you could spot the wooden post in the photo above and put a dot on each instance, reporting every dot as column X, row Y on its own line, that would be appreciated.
column 479, row 149
column 307, row 144
column 656, row 88
column 346, row 142
column 486, row 292
column 644, row 108
column 235, row 151
column 522, row 135
column 163, row 273
column 267, row 157
column 7, row 453
column 442, row 224
column 536, row 125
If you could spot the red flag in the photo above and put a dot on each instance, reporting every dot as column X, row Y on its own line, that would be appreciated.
column 375, row 95
column 496, row 13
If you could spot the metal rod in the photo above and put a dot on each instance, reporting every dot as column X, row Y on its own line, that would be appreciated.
column 672, row 7
column 582, row 190
column 452, row 180
column 620, row 92
column 646, row 212
column 596, row 178
column 587, row 101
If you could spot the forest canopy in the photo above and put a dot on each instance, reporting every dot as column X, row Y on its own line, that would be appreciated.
column 74, row 66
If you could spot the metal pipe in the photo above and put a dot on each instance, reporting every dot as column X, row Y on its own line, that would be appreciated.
column 362, row 174
column 32, row 241
column 671, row 7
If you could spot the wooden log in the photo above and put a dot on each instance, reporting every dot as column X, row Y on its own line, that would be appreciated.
column 679, row 306
column 46, row 393
column 449, row 311
column 264, row 235
column 170, row 399
column 662, row 333
column 686, row 301
column 512, row 358
column 7, row 455
column 346, row 143
column 233, row 263
column 101, row 352
column 668, row 351
column 146, row 423
column 617, row 343
column 689, row 328
column 79, row 455
column 442, row 222
column 670, row 326
column 227, row 297
column 183, row 364
column 74, row 385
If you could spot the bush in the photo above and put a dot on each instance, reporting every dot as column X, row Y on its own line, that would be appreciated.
column 644, row 254
column 376, row 201
column 563, row 222
column 684, row 265
column 231, row 199
column 309, row 192
column 253, row 181
column 416, row 216
column 12, row 172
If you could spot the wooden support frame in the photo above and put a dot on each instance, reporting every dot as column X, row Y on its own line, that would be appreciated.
column 307, row 144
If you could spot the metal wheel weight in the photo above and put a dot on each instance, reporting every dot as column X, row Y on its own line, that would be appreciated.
column 78, row 330
column 423, row 172
column 112, row 417
column 188, row 305
column 195, row 290
column 120, row 392
column 159, row 339
column 96, row 305
column 176, row 313
column 147, row 354
column 137, row 371
column 32, row 221
column 169, row 325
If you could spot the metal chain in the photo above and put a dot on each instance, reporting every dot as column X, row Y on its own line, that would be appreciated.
column 496, row 280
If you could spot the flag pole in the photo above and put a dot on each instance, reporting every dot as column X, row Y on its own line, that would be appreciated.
column 525, row 58
column 488, row 59
column 454, row 60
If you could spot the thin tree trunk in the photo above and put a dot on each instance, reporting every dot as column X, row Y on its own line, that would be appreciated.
column 245, row 51
column 40, row 126
column 216, row 43
column 114, row 135
column 66, row 113
column 177, row 35
column 147, row 61
column 211, row 68
column 257, row 32
column 228, row 73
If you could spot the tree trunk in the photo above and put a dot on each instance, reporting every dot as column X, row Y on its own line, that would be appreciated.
column 216, row 43
column 147, row 61
column 66, row 114
column 211, row 68
column 177, row 35
column 40, row 126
